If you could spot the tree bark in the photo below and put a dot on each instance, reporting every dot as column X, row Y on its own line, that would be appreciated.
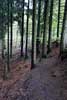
column 46, row 3
column 33, row 33
column 11, row 35
column 50, row 26
column 8, row 53
column 38, row 28
column 26, row 49
column 63, row 26
column 2, row 32
column 22, row 32
column 59, row 4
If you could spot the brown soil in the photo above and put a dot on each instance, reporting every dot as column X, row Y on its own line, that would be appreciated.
column 46, row 82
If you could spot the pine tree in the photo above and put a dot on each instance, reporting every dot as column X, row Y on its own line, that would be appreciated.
column 46, row 5
column 11, row 35
column 63, row 27
column 38, row 28
column 22, row 28
column 8, row 54
column 59, row 4
column 26, row 49
column 33, row 33
column 50, row 26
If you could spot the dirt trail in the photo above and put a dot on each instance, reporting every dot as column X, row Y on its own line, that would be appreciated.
column 45, row 82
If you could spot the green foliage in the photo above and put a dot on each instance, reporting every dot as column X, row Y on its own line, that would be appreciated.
column 17, row 11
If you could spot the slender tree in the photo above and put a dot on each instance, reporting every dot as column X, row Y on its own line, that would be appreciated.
column 8, row 57
column 59, row 4
column 50, row 26
column 22, row 32
column 46, row 4
column 2, row 32
column 2, row 16
column 2, row 26
column 11, row 35
column 26, row 49
column 33, row 33
column 63, row 27
column 38, row 28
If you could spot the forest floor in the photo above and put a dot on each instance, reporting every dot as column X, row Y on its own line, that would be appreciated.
column 45, row 82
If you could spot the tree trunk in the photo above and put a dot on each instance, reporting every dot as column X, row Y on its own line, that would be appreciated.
column 63, row 26
column 59, row 4
column 8, row 58
column 38, row 28
column 11, row 35
column 2, row 32
column 26, row 49
column 46, row 4
column 33, row 33
column 50, row 26
column 22, row 32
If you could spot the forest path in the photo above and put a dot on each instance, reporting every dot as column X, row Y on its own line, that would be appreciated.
column 44, row 82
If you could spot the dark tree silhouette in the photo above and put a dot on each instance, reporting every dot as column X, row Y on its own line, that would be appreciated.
column 46, row 4
column 33, row 33
column 11, row 5
column 59, row 4
column 50, row 27
column 38, row 28
column 63, row 27
column 27, row 31
column 8, row 54
column 22, row 32
column 2, row 32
